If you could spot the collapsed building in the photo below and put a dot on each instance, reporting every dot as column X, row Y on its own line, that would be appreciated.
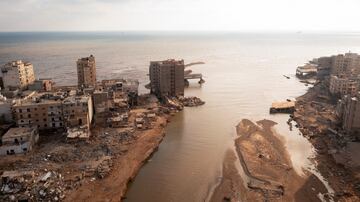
column 348, row 110
column 42, row 84
column 113, row 99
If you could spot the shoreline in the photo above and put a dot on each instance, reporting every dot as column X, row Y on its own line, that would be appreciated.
column 339, row 175
column 258, row 144
column 115, row 185
column 97, row 169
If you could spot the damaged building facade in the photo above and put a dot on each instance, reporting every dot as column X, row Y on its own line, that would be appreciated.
column 342, row 85
column 348, row 109
column 348, row 63
column 86, row 72
column 167, row 78
column 19, row 140
column 78, row 111
column 42, row 111
column 17, row 75
column 52, row 111
column 113, row 99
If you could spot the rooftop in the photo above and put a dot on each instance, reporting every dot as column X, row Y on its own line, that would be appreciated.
column 90, row 58
column 77, row 99
column 169, row 61
column 18, row 132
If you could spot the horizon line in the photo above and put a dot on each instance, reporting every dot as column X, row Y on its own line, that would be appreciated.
column 184, row 31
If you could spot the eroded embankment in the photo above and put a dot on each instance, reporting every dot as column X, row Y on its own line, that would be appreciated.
column 267, row 164
column 114, row 186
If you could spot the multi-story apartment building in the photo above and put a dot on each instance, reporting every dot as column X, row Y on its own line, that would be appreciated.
column 78, row 111
column 17, row 75
column 52, row 111
column 40, row 112
column 342, row 85
column 86, row 71
column 167, row 77
column 351, row 114
column 324, row 62
column 348, row 63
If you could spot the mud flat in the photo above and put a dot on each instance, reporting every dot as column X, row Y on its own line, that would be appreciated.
column 267, row 173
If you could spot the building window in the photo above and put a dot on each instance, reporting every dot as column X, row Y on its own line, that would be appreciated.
column 28, row 110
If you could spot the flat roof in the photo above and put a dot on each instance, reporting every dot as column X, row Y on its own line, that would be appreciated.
column 18, row 132
column 75, row 99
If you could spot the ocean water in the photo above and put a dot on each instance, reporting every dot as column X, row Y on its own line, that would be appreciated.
column 243, row 73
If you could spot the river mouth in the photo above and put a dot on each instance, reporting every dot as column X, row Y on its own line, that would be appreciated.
column 243, row 73
column 188, row 163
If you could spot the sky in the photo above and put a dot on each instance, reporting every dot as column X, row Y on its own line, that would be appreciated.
column 187, row 15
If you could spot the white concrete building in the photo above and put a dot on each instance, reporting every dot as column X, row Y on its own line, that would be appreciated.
column 17, row 75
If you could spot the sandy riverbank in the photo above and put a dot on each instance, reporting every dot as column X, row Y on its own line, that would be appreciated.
column 96, row 169
column 125, row 168
column 267, row 172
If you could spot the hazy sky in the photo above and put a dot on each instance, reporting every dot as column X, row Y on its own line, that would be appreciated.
column 236, row 15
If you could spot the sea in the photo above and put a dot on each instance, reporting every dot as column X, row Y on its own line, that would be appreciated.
column 244, row 72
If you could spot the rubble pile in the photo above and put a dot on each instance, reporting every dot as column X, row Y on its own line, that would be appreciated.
column 191, row 101
column 29, row 186
column 104, row 168
column 126, row 136
column 179, row 103
column 316, row 118
column 56, row 166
